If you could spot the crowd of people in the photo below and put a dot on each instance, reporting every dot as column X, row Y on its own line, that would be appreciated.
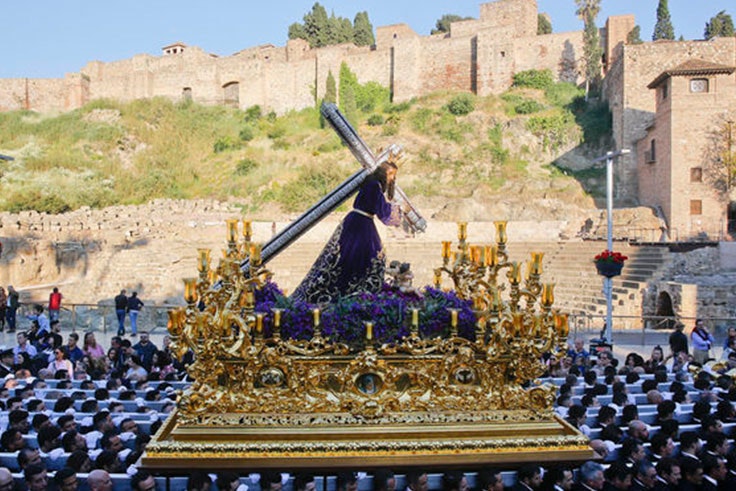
column 71, row 409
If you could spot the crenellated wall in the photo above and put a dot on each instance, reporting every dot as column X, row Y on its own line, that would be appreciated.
column 478, row 56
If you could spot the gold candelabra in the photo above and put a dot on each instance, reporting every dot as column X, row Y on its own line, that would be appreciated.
column 239, row 368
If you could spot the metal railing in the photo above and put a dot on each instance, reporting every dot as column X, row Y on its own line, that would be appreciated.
column 100, row 317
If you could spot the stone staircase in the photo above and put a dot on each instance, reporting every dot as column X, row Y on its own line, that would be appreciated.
column 578, row 287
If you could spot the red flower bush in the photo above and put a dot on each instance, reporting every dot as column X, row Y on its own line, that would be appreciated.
column 610, row 257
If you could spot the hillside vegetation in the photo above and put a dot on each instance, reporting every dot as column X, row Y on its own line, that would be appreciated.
column 456, row 146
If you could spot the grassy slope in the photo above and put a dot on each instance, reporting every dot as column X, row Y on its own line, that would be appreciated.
column 113, row 153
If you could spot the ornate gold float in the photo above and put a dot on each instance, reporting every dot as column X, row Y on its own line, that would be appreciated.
column 262, row 400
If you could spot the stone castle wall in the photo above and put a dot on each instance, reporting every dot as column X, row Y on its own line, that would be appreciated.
column 478, row 55
column 633, row 105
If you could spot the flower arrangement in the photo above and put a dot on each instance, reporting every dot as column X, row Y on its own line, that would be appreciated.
column 389, row 310
column 610, row 257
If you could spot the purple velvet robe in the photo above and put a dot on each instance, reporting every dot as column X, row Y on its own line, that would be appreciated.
column 353, row 259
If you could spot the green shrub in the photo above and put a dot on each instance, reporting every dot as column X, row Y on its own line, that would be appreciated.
column 401, row 107
column 253, row 114
column 375, row 120
column 461, row 105
column 246, row 134
column 371, row 95
column 534, row 79
column 275, row 131
column 555, row 130
column 281, row 144
column 223, row 143
column 245, row 166
column 528, row 106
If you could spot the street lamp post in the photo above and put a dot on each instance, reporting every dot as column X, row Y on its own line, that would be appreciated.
column 608, row 282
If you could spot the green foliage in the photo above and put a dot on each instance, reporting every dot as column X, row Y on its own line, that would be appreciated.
column 363, row 30
column 370, row 96
column 311, row 184
column 499, row 154
column 375, row 120
column 528, row 106
column 663, row 28
column 592, row 51
column 246, row 134
column 720, row 25
column 555, row 129
column 461, row 104
column 420, row 119
column 562, row 94
column 253, row 114
column 596, row 122
column 534, row 79
column 223, row 143
column 587, row 8
column 320, row 30
column 443, row 23
column 634, row 36
column 245, row 166
column 401, row 107
column 544, row 26
column 276, row 130
column 348, row 104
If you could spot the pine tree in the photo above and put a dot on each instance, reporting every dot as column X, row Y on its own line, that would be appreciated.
column 296, row 31
column 634, row 36
column 544, row 26
column 363, row 30
column 339, row 30
column 316, row 26
column 720, row 25
column 663, row 28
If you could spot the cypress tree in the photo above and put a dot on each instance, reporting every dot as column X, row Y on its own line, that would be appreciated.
column 316, row 26
column 348, row 83
column 634, row 36
column 593, row 52
column 330, row 95
column 663, row 28
column 363, row 30
column 544, row 26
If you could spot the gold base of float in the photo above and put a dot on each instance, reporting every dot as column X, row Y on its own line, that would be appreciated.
column 507, row 437
column 261, row 400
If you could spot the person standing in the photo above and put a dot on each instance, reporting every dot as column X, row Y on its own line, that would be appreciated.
column 134, row 308
column 12, row 307
column 702, row 342
column 54, row 304
column 678, row 340
column 3, row 307
column 121, row 308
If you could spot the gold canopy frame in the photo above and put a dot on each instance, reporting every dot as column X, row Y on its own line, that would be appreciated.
column 265, row 401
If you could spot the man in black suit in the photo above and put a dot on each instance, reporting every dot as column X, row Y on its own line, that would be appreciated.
column 529, row 478
column 668, row 474
column 645, row 477
column 714, row 472
column 692, row 474
column 6, row 362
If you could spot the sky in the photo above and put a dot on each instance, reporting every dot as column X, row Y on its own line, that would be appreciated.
column 48, row 38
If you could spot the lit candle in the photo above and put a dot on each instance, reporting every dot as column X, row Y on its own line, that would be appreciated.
column 369, row 331
column 481, row 256
column 414, row 317
column 232, row 230
column 437, row 278
column 492, row 256
column 249, row 297
column 190, row 290
column 204, row 260
column 453, row 317
column 462, row 231
column 446, row 249
column 276, row 318
column 247, row 229
column 500, row 232
column 315, row 315
column 259, row 323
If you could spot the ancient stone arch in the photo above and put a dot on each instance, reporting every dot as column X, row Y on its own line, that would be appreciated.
column 231, row 94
